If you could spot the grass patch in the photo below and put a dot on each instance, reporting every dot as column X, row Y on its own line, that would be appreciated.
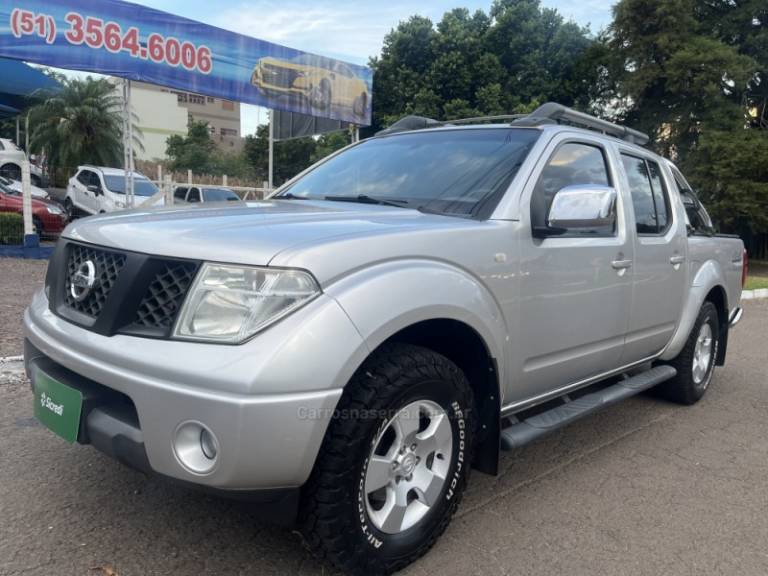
column 756, row 282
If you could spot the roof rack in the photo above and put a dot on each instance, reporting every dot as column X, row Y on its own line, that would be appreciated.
column 554, row 113
column 407, row 123
column 549, row 113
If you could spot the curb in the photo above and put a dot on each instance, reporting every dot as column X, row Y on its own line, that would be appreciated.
column 754, row 294
column 11, row 365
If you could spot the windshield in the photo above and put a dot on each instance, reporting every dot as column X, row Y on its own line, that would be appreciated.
column 141, row 186
column 455, row 172
column 219, row 195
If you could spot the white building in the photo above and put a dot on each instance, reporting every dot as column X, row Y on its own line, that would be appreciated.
column 158, row 116
column 162, row 112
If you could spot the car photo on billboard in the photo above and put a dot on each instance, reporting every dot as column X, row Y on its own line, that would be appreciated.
column 319, row 83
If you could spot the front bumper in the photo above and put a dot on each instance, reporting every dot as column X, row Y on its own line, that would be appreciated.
column 268, row 401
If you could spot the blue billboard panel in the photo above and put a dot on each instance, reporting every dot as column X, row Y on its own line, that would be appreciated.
column 131, row 41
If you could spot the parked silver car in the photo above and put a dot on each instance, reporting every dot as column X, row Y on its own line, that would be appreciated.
column 351, row 346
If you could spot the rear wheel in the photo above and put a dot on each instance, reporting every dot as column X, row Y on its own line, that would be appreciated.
column 320, row 96
column 393, row 464
column 696, row 362
column 11, row 171
column 361, row 102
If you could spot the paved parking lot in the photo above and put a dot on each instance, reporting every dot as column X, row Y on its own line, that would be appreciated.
column 646, row 487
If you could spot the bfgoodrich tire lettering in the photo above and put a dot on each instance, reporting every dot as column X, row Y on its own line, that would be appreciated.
column 336, row 522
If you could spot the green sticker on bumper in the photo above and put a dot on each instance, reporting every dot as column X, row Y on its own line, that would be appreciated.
column 57, row 405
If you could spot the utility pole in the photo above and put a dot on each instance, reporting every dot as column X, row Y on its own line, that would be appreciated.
column 128, row 143
column 271, row 116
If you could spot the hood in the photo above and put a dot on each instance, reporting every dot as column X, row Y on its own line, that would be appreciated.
column 252, row 234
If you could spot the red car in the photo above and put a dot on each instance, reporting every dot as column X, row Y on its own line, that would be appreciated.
column 48, row 218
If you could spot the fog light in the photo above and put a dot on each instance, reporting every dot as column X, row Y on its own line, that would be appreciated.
column 208, row 444
column 196, row 447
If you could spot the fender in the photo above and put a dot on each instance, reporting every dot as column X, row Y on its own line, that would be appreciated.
column 418, row 290
column 708, row 276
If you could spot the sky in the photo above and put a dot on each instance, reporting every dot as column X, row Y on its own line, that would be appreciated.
column 351, row 31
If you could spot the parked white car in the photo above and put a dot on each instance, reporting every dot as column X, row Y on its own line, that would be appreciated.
column 38, row 193
column 95, row 190
column 11, row 158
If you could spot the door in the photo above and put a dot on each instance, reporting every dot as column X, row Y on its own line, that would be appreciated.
column 660, row 267
column 575, row 288
column 93, row 197
column 80, row 188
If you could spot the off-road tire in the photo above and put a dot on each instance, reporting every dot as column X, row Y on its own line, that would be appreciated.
column 333, row 517
column 11, row 171
column 37, row 227
column 683, row 388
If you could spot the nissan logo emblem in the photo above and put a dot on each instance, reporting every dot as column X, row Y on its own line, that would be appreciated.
column 82, row 281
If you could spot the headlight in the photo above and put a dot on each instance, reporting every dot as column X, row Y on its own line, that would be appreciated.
column 54, row 210
column 230, row 304
column 119, row 204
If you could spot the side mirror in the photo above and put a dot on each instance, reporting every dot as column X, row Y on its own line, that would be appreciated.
column 584, row 206
column 95, row 189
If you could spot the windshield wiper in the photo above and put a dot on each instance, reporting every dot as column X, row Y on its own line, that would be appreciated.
column 291, row 196
column 365, row 199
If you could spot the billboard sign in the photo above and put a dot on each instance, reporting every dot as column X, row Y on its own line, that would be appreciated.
column 131, row 41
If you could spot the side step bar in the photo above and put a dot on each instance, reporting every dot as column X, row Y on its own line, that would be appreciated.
column 526, row 431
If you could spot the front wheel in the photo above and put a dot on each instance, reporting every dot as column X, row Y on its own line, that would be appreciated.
column 69, row 207
column 696, row 362
column 394, row 462
column 37, row 226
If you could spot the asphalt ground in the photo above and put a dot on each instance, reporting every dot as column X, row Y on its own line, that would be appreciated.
column 646, row 487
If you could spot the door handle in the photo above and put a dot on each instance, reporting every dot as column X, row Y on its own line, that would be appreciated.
column 621, row 264
column 676, row 260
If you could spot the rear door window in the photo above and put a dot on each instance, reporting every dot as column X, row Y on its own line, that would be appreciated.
column 194, row 195
column 660, row 196
column 649, row 196
column 180, row 193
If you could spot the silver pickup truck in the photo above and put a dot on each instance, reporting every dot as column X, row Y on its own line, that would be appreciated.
column 347, row 349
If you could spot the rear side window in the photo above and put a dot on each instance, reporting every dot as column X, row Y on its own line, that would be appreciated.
column 573, row 163
column 194, row 195
column 696, row 215
column 649, row 196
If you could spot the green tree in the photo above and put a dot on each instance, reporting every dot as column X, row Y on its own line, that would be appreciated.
column 81, row 124
column 195, row 151
column 290, row 156
column 469, row 64
column 692, row 73
column 328, row 144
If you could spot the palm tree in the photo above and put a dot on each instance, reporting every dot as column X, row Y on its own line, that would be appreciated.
column 80, row 124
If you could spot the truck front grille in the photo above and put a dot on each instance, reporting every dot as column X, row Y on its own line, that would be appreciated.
column 108, row 266
column 133, row 293
column 165, row 293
